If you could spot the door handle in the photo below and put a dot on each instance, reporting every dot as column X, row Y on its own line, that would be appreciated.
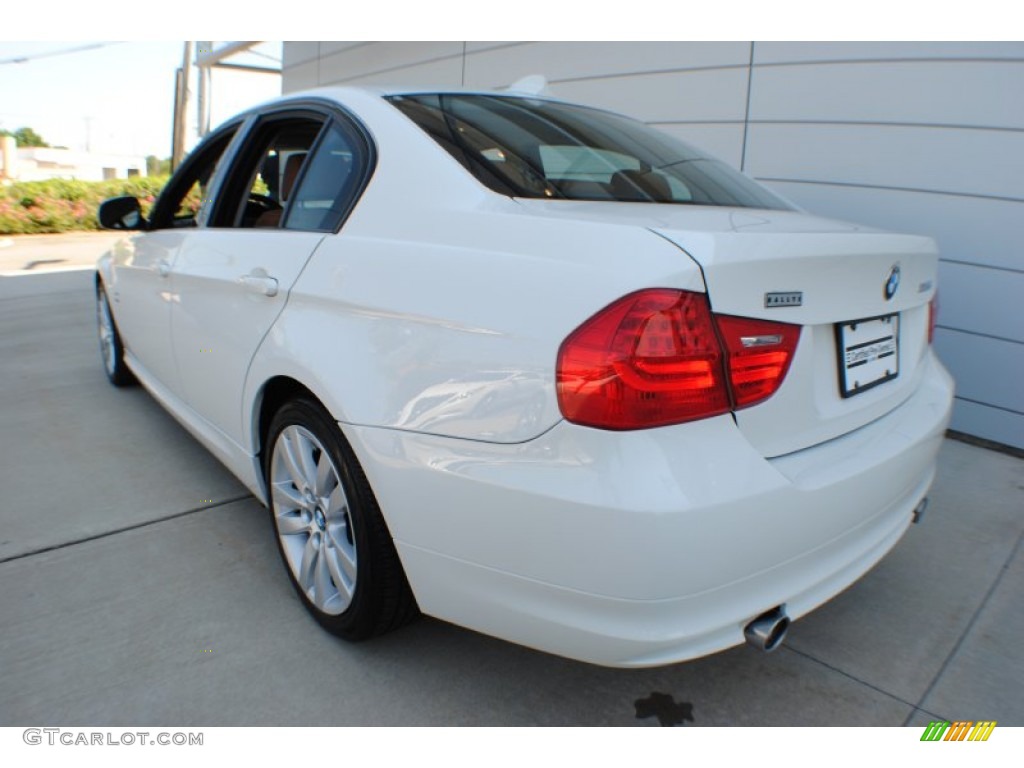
column 163, row 267
column 258, row 281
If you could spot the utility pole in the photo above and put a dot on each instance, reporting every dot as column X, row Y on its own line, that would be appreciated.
column 203, row 73
column 175, row 123
column 181, row 107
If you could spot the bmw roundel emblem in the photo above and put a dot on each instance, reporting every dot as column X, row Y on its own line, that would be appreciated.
column 893, row 282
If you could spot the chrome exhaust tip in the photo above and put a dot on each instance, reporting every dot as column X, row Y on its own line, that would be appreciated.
column 768, row 630
column 919, row 509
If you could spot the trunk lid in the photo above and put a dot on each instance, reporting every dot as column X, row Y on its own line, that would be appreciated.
column 840, row 271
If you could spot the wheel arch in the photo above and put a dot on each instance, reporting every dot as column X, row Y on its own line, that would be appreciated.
column 274, row 393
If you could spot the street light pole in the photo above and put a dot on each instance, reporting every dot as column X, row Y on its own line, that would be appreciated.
column 203, row 76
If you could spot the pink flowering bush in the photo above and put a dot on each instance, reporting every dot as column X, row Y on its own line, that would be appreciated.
column 63, row 205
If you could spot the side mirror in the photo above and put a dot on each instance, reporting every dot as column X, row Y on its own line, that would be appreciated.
column 121, row 213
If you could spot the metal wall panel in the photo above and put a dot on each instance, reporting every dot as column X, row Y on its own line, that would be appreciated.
column 991, row 423
column 954, row 160
column 982, row 93
column 334, row 46
column 718, row 95
column 440, row 72
column 369, row 61
column 989, row 371
column 296, row 52
column 968, row 229
column 484, row 45
column 977, row 300
column 564, row 61
column 774, row 53
column 298, row 77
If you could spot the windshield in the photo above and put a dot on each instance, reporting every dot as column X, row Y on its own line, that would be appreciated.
column 527, row 147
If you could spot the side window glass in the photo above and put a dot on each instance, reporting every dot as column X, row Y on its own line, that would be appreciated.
column 263, row 182
column 327, row 189
column 188, row 190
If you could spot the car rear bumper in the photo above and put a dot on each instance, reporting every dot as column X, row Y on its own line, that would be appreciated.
column 648, row 547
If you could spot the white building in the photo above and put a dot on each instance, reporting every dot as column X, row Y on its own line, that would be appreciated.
column 40, row 163
column 914, row 137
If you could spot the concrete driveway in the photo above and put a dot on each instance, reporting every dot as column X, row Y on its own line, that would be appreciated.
column 36, row 254
column 141, row 585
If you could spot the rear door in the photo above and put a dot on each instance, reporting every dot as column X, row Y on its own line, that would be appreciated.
column 289, row 187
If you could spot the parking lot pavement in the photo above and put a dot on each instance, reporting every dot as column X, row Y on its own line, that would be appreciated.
column 82, row 458
column 129, row 599
column 37, row 254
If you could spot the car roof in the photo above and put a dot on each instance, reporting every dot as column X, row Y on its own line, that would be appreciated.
column 345, row 93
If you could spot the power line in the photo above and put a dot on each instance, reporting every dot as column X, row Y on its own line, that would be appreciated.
column 64, row 52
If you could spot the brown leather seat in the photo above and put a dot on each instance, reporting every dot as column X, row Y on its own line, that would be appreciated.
column 291, row 173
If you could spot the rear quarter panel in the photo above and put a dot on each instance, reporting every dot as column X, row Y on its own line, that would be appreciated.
column 450, row 322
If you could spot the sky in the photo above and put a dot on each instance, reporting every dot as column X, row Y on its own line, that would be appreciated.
column 118, row 98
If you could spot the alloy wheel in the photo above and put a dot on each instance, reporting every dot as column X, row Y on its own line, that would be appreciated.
column 313, row 520
column 106, row 332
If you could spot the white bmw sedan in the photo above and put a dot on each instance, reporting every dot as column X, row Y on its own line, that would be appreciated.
column 532, row 368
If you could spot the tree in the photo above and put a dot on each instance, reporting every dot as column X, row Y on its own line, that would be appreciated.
column 157, row 167
column 26, row 137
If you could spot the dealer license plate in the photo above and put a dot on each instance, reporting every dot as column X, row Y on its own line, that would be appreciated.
column 869, row 353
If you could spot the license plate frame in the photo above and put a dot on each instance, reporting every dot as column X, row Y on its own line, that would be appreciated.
column 868, row 352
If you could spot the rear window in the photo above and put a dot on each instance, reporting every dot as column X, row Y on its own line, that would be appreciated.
column 526, row 147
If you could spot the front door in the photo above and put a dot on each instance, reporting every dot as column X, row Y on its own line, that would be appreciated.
column 142, row 287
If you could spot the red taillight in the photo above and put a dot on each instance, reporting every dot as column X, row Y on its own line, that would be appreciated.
column 759, row 353
column 933, row 316
column 651, row 358
column 654, row 358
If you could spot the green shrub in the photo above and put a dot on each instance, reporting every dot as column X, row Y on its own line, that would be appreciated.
column 66, row 205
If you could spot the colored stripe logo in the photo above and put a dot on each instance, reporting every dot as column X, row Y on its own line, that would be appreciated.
column 961, row 730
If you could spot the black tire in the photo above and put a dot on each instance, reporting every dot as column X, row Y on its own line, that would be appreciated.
column 111, row 356
column 380, row 599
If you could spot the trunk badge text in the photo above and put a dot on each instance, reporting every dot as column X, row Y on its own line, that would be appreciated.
column 784, row 299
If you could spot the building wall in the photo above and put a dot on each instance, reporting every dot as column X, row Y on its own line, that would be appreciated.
column 41, row 163
column 914, row 137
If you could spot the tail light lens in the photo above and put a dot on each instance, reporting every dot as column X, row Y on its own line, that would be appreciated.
column 759, row 353
column 651, row 358
column 933, row 316
column 654, row 358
